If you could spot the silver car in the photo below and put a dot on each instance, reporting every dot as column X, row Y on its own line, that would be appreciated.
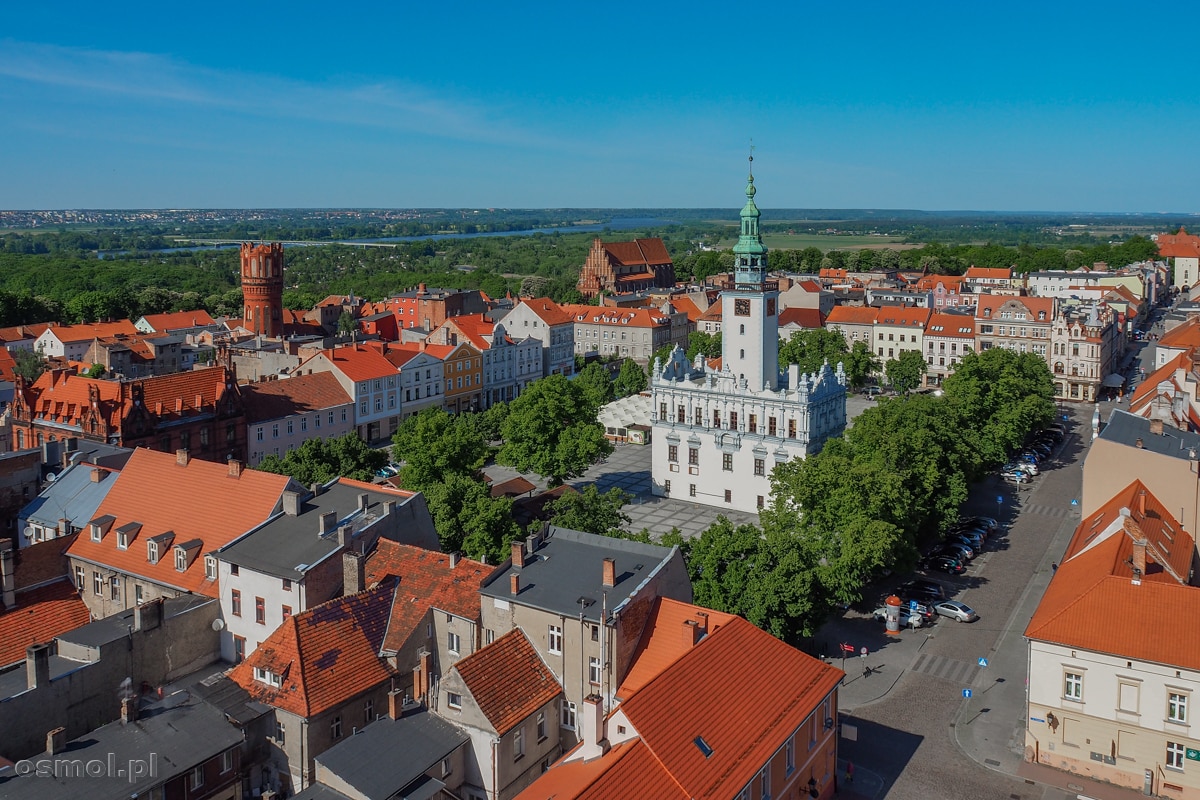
column 908, row 619
column 956, row 610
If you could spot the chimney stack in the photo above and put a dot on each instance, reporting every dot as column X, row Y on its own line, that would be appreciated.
column 395, row 703
column 518, row 555
column 690, row 633
column 8, row 581
column 345, row 535
column 353, row 572
column 363, row 500
column 327, row 522
column 291, row 502
column 514, row 584
column 235, row 468
column 129, row 709
column 1139, row 559
column 56, row 741
column 1156, row 427
column 37, row 666
column 1139, row 444
column 594, row 742
column 609, row 575
column 148, row 615
column 98, row 474
column 1142, row 503
column 454, row 559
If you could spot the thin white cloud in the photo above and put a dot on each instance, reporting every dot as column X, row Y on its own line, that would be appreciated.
column 155, row 78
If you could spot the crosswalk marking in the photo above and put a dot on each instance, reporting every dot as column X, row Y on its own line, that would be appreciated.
column 950, row 669
column 1051, row 511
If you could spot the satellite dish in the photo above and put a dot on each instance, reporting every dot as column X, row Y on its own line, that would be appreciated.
column 218, row 624
column 51, row 477
column 29, row 532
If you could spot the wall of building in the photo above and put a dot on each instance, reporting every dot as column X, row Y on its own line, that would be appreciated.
column 280, row 436
column 1174, row 481
column 88, row 697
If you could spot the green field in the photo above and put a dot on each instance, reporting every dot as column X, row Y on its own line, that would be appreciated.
column 799, row 241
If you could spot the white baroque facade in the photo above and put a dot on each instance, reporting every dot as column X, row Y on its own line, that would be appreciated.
column 718, row 434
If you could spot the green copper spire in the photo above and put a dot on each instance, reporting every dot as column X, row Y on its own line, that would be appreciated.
column 750, row 254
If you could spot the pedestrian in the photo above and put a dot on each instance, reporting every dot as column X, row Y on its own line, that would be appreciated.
column 849, row 772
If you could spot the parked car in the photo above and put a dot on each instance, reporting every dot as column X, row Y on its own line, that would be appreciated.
column 944, row 563
column 969, row 547
column 388, row 471
column 908, row 619
column 956, row 610
column 962, row 552
column 1032, row 456
column 922, row 587
column 872, row 391
column 974, row 529
column 974, row 539
column 1026, row 466
column 988, row 522
column 1015, row 476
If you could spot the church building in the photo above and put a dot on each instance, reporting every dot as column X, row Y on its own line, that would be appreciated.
column 718, row 433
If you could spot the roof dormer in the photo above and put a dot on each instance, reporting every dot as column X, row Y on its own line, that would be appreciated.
column 100, row 526
column 127, row 533
column 157, row 545
column 185, row 554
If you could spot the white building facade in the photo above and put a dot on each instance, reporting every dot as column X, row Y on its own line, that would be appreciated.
column 718, row 434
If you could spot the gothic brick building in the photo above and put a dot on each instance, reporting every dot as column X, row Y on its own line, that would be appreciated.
column 199, row 411
column 262, row 288
column 617, row 267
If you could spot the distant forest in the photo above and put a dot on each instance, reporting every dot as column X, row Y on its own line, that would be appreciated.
column 85, row 273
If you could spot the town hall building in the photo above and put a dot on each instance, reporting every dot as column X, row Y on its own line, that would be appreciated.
column 718, row 433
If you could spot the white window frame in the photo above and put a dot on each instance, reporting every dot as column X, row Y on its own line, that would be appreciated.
column 1175, row 756
column 1073, row 686
column 554, row 639
column 453, row 700
column 566, row 715
column 1177, row 703
column 453, row 642
column 593, row 670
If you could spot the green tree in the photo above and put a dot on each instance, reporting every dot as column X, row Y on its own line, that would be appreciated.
column 29, row 364
column 905, row 372
column 594, row 380
column 552, row 430
column 631, row 379
column 433, row 444
column 705, row 344
column 812, row 348
column 346, row 324
column 590, row 511
column 95, row 371
column 490, row 423
column 322, row 460
column 860, row 364
column 469, row 520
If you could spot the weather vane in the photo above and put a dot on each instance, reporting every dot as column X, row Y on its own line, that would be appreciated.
column 752, row 149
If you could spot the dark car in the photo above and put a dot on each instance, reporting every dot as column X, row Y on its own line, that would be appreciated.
column 972, row 540
column 922, row 590
column 947, row 564
column 988, row 522
column 962, row 552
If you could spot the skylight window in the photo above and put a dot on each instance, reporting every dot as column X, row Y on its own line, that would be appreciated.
column 703, row 745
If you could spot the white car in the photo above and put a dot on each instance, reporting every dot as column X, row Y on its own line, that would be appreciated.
column 908, row 619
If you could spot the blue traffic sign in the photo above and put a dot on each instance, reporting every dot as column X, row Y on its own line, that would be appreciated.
column 912, row 605
column 1074, row 502
column 999, row 498
column 983, row 662
column 966, row 692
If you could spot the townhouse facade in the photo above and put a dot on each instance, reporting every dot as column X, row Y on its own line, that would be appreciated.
column 72, row 341
column 627, row 332
column 462, row 366
column 544, row 320
column 283, row 414
column 1020, row 324
column 981, row 280
column 422, row 377
column 508, row 366
column 370, row 380
column 1085, row 347
column 899, row 329
column 948, row 338
column 855, row 323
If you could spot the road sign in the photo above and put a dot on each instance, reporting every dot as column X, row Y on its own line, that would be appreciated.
column 1192, row 754
column 912, row 605
column 847, row 648
column 966, row 692
column 863, row 652
column 983, row 662
column 1074, row 502
column 999, row 498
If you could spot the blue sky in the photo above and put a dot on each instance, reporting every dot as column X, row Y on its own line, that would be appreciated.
column 1049, row 106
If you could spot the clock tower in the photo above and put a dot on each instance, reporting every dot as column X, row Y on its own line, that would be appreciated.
column 749, row 310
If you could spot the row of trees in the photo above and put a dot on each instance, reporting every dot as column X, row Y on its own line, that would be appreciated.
column 866, row 502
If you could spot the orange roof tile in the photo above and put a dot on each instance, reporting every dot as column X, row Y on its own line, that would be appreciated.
column 1166, row 373
column 7, row 365
column 625, row 317
column 908, row 316
column 804, row 317
column 662, row 643
column 359, row 363
column 958, row 326
column 85, row 332
column 325, row 655
column 40, row 615
column 1178, row 245
column 852, row 315
column 929, row 282
column 629, row 771
column 426, row 581
column 688, row 306
column 61, row 396
column 179, row 319
column 508, row 680
column 1184, row 335
column 20, row 333
column 155, row 490
column 994, row 273
column 833, row 273
column 296, row 395
column 713, row 312
column 1095, row 577
column 640, row 251
column 547, row 310
column 181, row 390
column 1034, row 305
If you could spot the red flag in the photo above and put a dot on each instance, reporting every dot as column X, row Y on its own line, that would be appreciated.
column 848, row 648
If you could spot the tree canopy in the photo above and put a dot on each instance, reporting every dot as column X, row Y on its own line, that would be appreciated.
column 812, row 348
column 592, row 511
column 322, row 460
column 905, row 371
column 551, row 429
column 631, row 379
column 433, row 444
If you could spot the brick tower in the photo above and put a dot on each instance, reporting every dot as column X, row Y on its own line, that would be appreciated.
column 262, row 287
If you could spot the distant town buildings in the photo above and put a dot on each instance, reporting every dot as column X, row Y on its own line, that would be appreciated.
column 619, row 267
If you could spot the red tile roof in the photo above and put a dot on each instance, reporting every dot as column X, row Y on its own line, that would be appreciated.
column 1179, row 245
column 40, row 615
column 908, row 316
column 958, row 326
column 640, row 251
column 325, row 655
column 20, row 333
column 662, row 643
column 474, row 327
column 508, row 680
column 547, row 310
column 834, row 274
column 804, row 317
column 995, row 273
column 952, row 283
column 7, row 365
column 87, row 331
column 688, row 306
column 1149, row 387
column 179, row 319
column 713, row 312
column 852, row 315
column 744, row 730
column 198, row 502
column 359, row 363
column 1033, row 305
column 60, row 396
column 190, row 392
column 624, row 317
column 1095, row 577
column 296, row 395
column 426, row 581
column 1185, row 335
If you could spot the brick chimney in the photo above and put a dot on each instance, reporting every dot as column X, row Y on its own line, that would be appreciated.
column 98, row 474
column 181, row 457
column 235, row 468
column 514, row 584
column 691, row 633
column 1156, row 427
column 353, row 572
column 518, row 555
column 395, row 703
column 1138, row 560
column 129, row 709
column 8, row 581
column 594, row 743
column 56, row 741
column 609, row 573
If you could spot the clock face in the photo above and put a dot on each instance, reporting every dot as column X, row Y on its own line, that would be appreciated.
column 741, row 307
column 770, row 306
